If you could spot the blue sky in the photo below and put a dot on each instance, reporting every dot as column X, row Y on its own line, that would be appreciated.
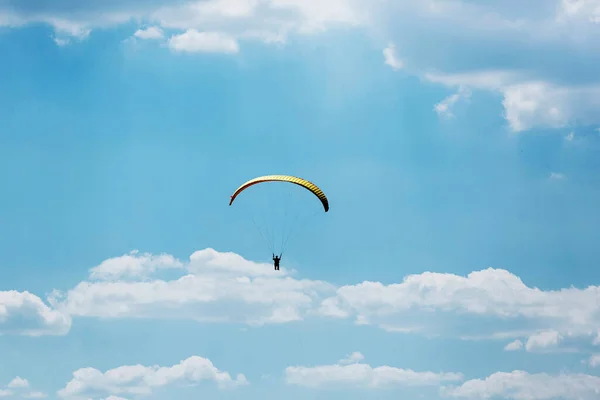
column 457, row 143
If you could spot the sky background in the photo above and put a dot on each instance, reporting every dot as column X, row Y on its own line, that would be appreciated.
column 458, row 146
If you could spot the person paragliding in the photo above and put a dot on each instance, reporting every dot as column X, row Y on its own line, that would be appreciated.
column 276, row 260
column 311, row 187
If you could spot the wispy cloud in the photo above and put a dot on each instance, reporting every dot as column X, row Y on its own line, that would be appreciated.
column 391, row 58
column 444, row 108
column 363, row 375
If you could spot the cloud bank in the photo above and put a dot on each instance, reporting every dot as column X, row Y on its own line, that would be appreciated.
column 518, row 51
column 223, row 287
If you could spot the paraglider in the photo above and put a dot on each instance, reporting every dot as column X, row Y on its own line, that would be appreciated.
column 267, row 232
column 276, row 260
column 284, row 178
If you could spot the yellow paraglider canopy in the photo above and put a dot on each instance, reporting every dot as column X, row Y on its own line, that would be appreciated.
column 285, row 178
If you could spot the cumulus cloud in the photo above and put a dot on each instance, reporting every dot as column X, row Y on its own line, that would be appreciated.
column 133, row 265
column 213, row 286
column 193, row 41
column 223, row 287
column 356, row 374
column 535, row 94
column 18, row 382
column 152, row 32
column 220, row 287
column 26, row 314
column 352, row 358
column 391, row 57
column 520, row 385
column 514, row 345
column 20, row 387
column 491, row 303
column 543, row 340
column 528, row 103
column 142, row 380
column 594, row 360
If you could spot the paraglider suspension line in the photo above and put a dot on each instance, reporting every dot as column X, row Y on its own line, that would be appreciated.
column 266, row 238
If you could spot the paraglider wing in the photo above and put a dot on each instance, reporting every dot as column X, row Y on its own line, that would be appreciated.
column 285, row 178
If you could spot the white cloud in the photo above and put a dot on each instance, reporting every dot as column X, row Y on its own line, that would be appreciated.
column 142, row 380
column 224, row 287
column 580, row 10
column 68, row 28
column 26, row 314
column 210, row 261
column 133, row 265
column 37, row 395
column 519, row 31
column 115, row 398
column 213, row 287
column 570, row 137
column 68, row 22
column 492, row 303
column 520, row 385
column 258, row 19
column 531, row 104
column 528, row 103
column 61, row 42
column 596, row 340
column 513, row 346
column 352, row 358
column 528, row 37
column 18, row 382
column 273, row 17
column 391, row 57
column 318, row 15
column 543, row 340
column 18, row 387
column 152, row 32
column 557, row 175
column 363, row 375
column 484, row 79
column 444, row 108
column 193, row 41
column 594, row 360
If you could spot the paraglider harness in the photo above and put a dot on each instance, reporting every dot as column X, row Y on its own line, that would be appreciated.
column 276, row 260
